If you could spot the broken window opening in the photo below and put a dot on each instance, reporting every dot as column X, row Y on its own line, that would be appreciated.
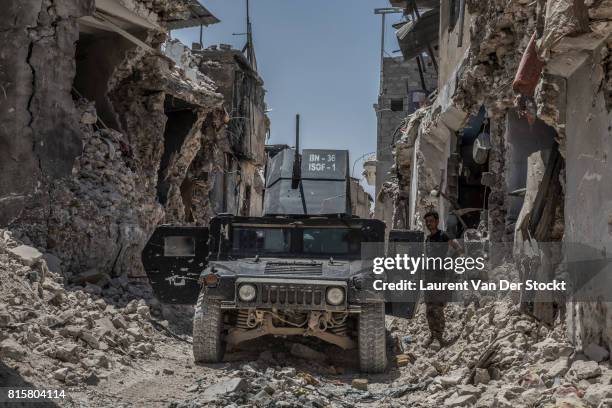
column 246, row 202
column 98, row 53
column 397, row 105
column 466, row 168
column 181, row 119
column 522, row 140
column 187, row 197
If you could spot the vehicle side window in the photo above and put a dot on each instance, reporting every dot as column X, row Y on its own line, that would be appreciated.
column 179, row 246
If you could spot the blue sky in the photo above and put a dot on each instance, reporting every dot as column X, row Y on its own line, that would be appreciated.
column 319, row 58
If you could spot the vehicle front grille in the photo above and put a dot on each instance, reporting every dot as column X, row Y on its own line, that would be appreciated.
column 285, row 268
column 289, row 295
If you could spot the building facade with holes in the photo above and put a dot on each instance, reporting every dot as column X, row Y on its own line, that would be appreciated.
column 238, row 184
column 404, row 89
column 519, row 131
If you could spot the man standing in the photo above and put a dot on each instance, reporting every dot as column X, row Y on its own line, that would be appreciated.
column 437, row 244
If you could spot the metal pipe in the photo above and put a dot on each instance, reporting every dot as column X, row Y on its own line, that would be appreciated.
column 295, row 179
column 382, row 55
column 419, row 66
column 415, row 8
column 461, row 22
column 383, row 12
column 432, row 56
column 430, row 51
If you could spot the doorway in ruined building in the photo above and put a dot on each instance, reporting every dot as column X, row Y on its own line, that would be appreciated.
column 181, row 118
column 246, row 202
column 522, row 139
column 99, row 51
column 535, row 210
column 468, row 196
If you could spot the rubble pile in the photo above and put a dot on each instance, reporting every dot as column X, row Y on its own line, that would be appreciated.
column 53, row 334
column 499, row 358
column 59, row 332
column 101, row 212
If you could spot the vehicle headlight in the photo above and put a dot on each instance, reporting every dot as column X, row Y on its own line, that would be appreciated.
column 335, row 296
column 247, row 292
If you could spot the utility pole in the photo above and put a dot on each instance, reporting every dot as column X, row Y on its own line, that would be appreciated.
column 383, row 12
column 416, row 15
column 250, row 49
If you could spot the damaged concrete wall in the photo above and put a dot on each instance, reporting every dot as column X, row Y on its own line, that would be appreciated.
column 238, row 182
column 150, row 130
column 91, row 111
column 585, row 116
column 401, row 94
column 360, row 200
column 39, row 126
column 571, row 106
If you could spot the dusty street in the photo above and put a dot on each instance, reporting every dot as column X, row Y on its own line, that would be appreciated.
column 208, row 203
column 103, row 355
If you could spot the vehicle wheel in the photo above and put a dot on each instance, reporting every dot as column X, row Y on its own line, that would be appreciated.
column 208, row 344
column 372, row 338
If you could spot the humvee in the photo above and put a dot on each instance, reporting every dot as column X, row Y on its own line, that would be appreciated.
column 297, row 270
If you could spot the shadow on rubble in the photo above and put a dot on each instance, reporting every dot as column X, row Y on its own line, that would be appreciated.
column 317, row 358
column 118, row 292
column 11, row 379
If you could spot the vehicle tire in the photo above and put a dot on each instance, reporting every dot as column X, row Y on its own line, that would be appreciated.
column 208, row 344
column 372, row 338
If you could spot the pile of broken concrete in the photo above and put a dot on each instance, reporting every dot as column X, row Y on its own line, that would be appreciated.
column 500, row 358
column 55, row 334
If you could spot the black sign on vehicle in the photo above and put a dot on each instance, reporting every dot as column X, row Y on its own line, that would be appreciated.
column 324, row 164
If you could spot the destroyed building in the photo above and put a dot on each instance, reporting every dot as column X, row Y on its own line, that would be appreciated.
column 515, row 143
column 107, row 131
column 239, row 188
column 361, row 201
column 405, row 85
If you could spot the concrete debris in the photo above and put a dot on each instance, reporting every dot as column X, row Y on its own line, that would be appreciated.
column 27, row 254
column 460, row 400
column 150, row 138
column 583, row 370
column 86, row 340
column 9, row 348
column 360, row 384
column 527, row 369
column 596, row 353
column 232, row 385
column 525, row 73
column 76, row 340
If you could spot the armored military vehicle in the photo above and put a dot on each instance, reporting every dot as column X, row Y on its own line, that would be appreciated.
column 295, row 271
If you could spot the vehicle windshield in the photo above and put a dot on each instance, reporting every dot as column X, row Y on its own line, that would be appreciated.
column 261, row 240
column 291, row 242
column 332, row 241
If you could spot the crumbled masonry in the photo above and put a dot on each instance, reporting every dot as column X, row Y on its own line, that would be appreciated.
column 76, row 337
column 110, row 128
column 566, row 110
